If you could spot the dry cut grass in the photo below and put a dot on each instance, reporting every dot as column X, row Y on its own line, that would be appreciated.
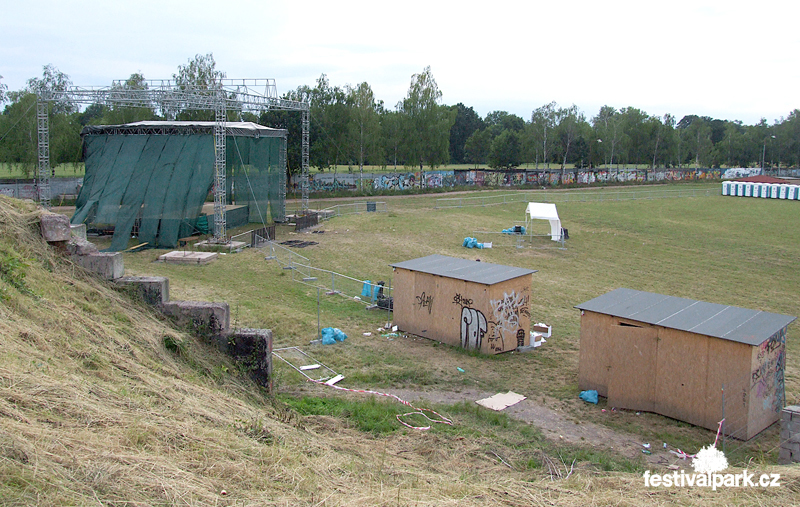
column 95, row 410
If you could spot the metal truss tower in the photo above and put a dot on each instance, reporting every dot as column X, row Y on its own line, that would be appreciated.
column 304, row 161
column 220, row 188
column 236, row 95
column 43, row 149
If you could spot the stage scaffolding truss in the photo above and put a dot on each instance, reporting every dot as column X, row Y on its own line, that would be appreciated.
column 169, row 98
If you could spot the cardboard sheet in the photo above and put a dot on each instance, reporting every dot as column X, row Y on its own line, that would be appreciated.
column 501, row 401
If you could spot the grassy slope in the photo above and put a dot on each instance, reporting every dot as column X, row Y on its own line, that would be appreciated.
column 94, row 409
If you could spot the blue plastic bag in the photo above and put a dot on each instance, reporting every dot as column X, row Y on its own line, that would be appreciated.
column 589, row 396
column 366, row 289
column 472, row 243
column 331, row 335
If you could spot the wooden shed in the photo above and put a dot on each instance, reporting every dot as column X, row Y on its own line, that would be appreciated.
column 477, row 305
column 690, row 360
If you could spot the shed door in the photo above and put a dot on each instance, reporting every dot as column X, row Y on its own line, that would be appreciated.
column 632, row 379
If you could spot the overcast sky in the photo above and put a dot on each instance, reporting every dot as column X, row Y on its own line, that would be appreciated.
column 730, row 60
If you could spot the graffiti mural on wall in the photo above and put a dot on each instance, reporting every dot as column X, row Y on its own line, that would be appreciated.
column 331, row 185
column 404, row 181
column 506, row 313
column 473, row 328
column 439, row 179
column 425, row 301
column 458, row 299
column 767, row 379
column 740, row 172
column 513, row 179
column 492, row 178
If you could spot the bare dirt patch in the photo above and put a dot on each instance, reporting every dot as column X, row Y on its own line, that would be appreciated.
column 557, row 425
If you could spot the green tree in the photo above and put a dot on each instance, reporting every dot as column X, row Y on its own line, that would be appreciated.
column 607, row 125
column 660, row 136
column 634, row 147
column 198, row 76
column 51, row 86
column 570, row 121
column 476, row 149
column 18, row 131
column 330, row 118
column 696, row 138
column 466, row 123
column 291, row 121
column 505, row 151
column 393, row 134
column 19, row 126
column 3, row 90
column 365, row 125
column 120, row 113
column 428, row 122
column 499, row 121
column 790, row 134
column 542, row 135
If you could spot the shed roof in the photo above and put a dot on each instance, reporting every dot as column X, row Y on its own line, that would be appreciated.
column 741, row 325
column 463, row 269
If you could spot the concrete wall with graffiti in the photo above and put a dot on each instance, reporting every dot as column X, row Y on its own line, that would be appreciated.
column 509, row 178
column 26, row 189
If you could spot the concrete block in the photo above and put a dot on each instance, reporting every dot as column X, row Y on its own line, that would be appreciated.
column 793, row 426
column 252, row 348
column 792, row 409
column 108, row 265
column 211, row 321
column 78, row 231
column 153, row 290
column 179, row 257
column 80, row 246
column 784, row 456
column 55, row 227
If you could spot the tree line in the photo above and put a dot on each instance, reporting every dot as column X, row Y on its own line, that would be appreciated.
column 350, row 126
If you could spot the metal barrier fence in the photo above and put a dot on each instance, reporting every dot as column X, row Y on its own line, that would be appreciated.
column 353, row 208
column 255, row 238
column 306, row 221
column 527, row 240
column 577, row 196
column 376, row 294
column 284, row 256
column 371, row 293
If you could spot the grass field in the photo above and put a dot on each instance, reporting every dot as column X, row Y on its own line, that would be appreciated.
column 719, row 249
column 94, row 408
column 16, row 171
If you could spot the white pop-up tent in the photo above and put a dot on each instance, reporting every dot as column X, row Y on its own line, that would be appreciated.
column 545, row 211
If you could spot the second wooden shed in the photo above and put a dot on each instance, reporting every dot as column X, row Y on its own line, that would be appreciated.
column 690, row 360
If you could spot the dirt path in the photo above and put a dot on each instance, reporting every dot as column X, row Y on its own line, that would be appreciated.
column 558, row 426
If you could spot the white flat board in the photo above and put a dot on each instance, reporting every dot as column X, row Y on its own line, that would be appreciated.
column 501, row 401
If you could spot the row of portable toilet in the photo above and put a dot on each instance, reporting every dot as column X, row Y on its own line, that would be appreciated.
column 765, row 190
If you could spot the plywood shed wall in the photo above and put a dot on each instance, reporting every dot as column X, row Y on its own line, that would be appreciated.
column 476, row 305
column 676, row 357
